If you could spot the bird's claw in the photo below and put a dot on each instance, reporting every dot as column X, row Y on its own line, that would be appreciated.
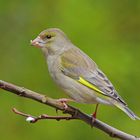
column 64, row 102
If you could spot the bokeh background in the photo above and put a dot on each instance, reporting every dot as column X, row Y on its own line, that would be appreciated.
column 108, row 31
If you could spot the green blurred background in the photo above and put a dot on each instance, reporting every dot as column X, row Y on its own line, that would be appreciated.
column 108, row 31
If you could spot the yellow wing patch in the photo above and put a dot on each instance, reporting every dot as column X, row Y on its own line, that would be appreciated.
column 86, row 83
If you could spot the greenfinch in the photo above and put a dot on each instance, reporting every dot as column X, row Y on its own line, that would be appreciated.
column 76, row 73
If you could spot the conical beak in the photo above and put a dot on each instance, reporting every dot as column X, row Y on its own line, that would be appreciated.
column 36, row 42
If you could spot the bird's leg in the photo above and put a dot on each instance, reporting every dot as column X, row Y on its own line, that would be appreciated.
column 64, row 102
column 95, row 113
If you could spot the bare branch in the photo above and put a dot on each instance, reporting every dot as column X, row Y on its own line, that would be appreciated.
column 76, row 113
column 34, row 119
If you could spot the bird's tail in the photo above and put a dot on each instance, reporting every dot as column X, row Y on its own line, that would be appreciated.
column 129, row 112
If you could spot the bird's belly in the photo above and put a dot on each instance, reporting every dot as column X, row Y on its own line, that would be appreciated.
column 76, row 90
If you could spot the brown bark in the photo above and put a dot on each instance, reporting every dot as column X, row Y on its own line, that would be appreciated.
column 74, row 112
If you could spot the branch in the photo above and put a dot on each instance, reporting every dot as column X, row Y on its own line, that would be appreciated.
column 74, row 112
column 33, row 119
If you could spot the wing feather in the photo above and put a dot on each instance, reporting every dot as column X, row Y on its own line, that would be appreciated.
column 76, row 64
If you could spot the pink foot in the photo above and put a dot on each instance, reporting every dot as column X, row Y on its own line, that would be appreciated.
column 95, row 113
column 93, row 116
column 64, row 102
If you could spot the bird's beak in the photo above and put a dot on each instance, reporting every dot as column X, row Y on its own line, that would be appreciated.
column 36, row 42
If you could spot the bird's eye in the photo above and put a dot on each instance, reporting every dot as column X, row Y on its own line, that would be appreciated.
column 48, row 36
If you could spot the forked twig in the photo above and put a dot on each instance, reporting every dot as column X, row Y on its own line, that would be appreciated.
column 34, row 119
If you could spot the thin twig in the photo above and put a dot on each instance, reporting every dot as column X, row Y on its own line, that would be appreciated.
column 23, row 92
column 34, row 119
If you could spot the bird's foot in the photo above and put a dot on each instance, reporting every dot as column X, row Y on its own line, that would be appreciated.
column 64, row 102
column 93, row 117
column 94, row 114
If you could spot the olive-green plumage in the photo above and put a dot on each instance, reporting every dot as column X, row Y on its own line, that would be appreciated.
column 76, row 73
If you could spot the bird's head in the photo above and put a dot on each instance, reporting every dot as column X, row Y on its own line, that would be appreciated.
column 51, row 39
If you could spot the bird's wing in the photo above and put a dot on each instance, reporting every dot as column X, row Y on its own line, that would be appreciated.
column 78, row 66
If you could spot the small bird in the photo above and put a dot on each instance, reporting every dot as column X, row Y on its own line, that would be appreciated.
column 76, row 73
